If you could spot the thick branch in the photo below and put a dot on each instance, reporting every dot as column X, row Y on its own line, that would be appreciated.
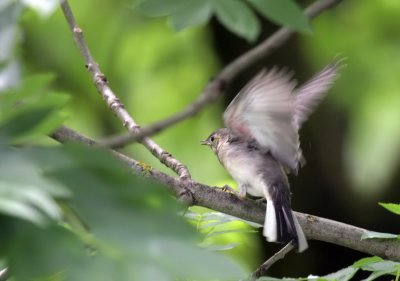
column 65, row 134
column 112, row 100
column 194, row 193
column 227, row 74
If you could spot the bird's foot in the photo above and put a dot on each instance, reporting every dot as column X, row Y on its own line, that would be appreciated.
column 240, row 194
column 228, row 189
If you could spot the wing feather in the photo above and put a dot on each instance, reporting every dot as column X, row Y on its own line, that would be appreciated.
column 269, row 110
column 263, row 112
column 310, row 94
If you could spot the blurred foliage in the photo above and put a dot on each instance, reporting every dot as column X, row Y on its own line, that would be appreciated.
column 223, row 232
column 368, row 88
column 31, row 110
column 128, row 230
column 129, row 233
column 112, row 231
column 235, row 15
column 376, row 265
column 9, row 66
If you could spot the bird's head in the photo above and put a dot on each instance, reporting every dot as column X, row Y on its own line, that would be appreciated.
column 217, row 138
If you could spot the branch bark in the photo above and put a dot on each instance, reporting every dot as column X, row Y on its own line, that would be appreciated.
column 113, row 101
column 217, row 86
column 194, row 193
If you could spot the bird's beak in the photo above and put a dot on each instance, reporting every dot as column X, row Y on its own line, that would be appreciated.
column 205, row 142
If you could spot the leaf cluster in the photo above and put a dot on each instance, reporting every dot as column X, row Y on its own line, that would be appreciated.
column 238, row 16
column 76, row 213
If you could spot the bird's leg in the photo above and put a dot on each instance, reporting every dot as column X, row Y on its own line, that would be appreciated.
column 242, row 191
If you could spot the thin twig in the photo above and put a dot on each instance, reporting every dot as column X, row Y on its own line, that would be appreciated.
column 217, row 86
column 194, row 193
column 262, row 269
column 112, row 100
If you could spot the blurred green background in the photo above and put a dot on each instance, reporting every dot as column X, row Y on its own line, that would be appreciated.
column 351, row 143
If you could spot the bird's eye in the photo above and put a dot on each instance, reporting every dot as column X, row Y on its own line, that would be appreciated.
column 212, row 139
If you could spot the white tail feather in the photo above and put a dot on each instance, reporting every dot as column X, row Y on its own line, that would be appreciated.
column 270, row 224
column 301, row 238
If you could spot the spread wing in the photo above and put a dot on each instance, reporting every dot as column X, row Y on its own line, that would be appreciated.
column 263, row 112
column 310, row 94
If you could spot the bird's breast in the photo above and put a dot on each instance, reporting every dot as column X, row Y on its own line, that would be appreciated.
column 245, row 168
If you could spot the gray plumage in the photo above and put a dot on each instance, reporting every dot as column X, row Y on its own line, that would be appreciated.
column 261, row 142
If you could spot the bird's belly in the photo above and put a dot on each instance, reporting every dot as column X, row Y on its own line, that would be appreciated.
column 256, row 190
column 244, row 172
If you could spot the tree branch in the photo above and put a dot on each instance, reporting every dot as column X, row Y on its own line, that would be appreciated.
column 194, row 193
column 177, row 186
column 113, row 101
column 217, row 86
column 262, row 269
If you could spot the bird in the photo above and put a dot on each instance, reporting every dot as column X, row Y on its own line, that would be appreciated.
column 260, row 143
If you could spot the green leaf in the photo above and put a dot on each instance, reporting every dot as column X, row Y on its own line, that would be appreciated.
column 222, row 232
column 237, row 17
column 377, row 265
column 54, row 254
column 160, row 8
column 344, row 274
column 31, row 110
column 376, row 274
column 385, row 265
column 32, row 89
column 10, row 69
column 196, row 12
column 133, row 221
column 378, row 235
column 25, row 193
column 9, row 14
column 215, row 219
column 225, row 247
column 283, row 12
column 266, row 278
column 23, row 123
column 15, row 208
column 366, row 261
column 394, row 208
column 50, row 250
column 211, row 219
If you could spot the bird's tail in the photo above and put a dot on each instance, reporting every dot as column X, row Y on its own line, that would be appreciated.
column 281, row 225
